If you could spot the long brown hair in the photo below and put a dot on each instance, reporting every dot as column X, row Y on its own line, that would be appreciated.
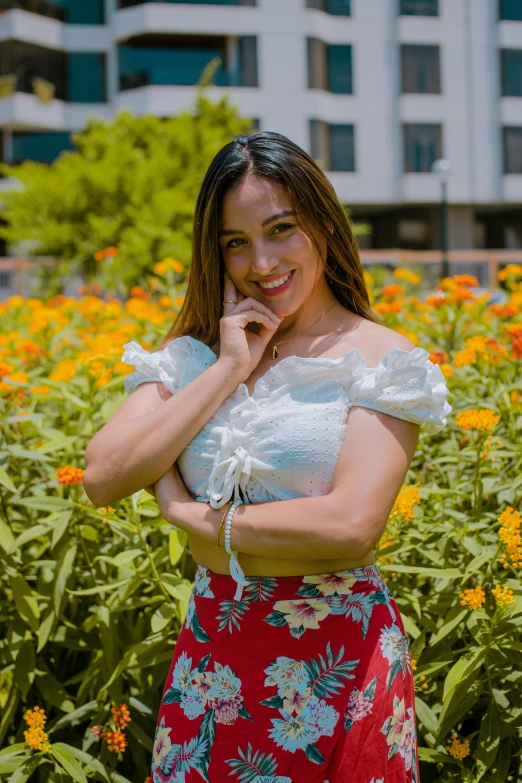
column 270, row 156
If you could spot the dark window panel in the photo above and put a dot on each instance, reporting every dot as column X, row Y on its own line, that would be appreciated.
column 511, row 10
column 70, row 11
column 420, row 68
column 43, row 147
column 176, row 63
column 342, row 152
column 332, row 145
column 419, row 7
column 129, row 3
column 333, row 7
column 511, row 69
column 512, row 150
column 339, row 63
column 422, row 146
column 86, row 77
column 27, row 61
column 317, row 67
column 248, row 61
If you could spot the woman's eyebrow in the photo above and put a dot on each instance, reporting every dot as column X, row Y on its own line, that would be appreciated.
column 285, row 213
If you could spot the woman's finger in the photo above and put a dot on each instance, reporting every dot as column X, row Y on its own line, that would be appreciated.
column 249, row 303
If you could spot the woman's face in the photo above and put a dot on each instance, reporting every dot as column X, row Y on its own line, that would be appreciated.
column 261, row 243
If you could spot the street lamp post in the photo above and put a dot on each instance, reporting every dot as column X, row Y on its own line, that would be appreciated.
column 442, row 167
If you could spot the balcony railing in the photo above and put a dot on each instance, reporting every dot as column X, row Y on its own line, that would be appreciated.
column 130, row 3
column 42, row 7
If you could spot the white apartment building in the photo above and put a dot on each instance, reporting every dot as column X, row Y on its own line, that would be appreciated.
column 376, row 90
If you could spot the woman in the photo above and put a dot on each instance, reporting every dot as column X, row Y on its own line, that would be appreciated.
column 292, row 663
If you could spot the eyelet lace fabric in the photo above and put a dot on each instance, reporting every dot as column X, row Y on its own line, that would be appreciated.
column 284, row 440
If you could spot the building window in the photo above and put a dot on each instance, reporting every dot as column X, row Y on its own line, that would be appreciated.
column 419, row 7
column 332, row 145
column 333, row 7
column 86, row 77
column 181, row 59
column 5, row 280
column 330, row 66
column 511, row 69
column 513, row 150
column 511, row 10
column 420, row 68
column 43, row 147
column 70, row 11
column 422, row 146
column 129, row 3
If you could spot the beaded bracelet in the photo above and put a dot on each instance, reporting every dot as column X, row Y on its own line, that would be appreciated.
column 235, row 569
column 222, row 521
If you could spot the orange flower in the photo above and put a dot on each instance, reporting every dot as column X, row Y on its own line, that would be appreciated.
column 116, row 741
column 438, row 357
column 466, row 280
column 107, row 252
column 69, row 475
column 121, row 715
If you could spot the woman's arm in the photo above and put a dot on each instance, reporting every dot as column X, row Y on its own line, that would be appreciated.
column 344, row 524
column 149, row 431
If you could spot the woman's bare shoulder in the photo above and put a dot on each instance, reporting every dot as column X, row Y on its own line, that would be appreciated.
column 374, row 340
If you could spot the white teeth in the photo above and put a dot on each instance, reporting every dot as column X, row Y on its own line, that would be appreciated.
column 276, row 283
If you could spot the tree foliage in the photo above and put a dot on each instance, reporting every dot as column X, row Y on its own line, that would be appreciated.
column 132, row 183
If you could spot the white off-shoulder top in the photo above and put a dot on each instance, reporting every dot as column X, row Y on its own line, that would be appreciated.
column 284, row 440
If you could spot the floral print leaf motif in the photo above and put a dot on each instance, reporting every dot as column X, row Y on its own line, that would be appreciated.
column 299, row 614
column 360, row 704
column 232, row 612
column 273, row 701
column 170, row 762
column 253, row 766
column 202, row 665
column 314, row 754
column 359, row 607
column 192, row 622
column 260, row 588
column 399, row 730
column 326, row 676
column 394, row 647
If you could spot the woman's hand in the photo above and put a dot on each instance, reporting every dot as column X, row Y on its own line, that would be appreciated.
column 240, row 348
column 171, row 493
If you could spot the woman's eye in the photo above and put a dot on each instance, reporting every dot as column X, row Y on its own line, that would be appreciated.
column 284, row 226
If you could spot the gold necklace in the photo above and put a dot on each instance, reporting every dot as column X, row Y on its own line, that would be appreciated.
column 275, row 351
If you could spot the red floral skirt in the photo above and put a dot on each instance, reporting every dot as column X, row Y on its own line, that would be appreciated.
column 306, row 679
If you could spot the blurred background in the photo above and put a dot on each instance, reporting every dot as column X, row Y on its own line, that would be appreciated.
column 412, row 107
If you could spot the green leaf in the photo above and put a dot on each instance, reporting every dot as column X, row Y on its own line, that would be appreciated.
column 6, row 481
column 64, row 757
column 140, row 735
column 25, row 601
column 29, row 535
column 409, row 626
column 76, row 716
column 60, row 525
column 6, row 536
column 469, row 663
column 43, row 503
column 100, row 588
column 88, row 760
column 162, row 617
column 436, row 573
column 32, row 456
column 489, row 740
column 24, row 666
column 64, row 569
column 452, row 620
column 24, row 772
column 176, row 548
column 126, row 557
column 426, row 716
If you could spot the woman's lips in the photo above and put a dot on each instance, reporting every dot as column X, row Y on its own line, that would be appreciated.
column 280, row 289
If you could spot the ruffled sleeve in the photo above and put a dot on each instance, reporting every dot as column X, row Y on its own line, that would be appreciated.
column 181, row 360
column 405, row 384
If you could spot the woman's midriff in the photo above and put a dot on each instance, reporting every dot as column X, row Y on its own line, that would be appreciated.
column 217, row 560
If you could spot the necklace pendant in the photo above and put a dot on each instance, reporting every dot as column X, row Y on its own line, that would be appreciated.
column 274, row 352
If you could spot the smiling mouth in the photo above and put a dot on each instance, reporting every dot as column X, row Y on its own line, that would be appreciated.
column 274, row 285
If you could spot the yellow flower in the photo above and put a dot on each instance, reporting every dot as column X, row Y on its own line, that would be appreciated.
column 65, row 370
column 405, row 274
column 35, row 718
column 457, row 749
column 304, row 613
column 503, row 595
column 509, row 534
column 483, row 420
column 474, row 598
column 35, row 738
column 447, row 370
column 116, row 741
column 408, row 497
